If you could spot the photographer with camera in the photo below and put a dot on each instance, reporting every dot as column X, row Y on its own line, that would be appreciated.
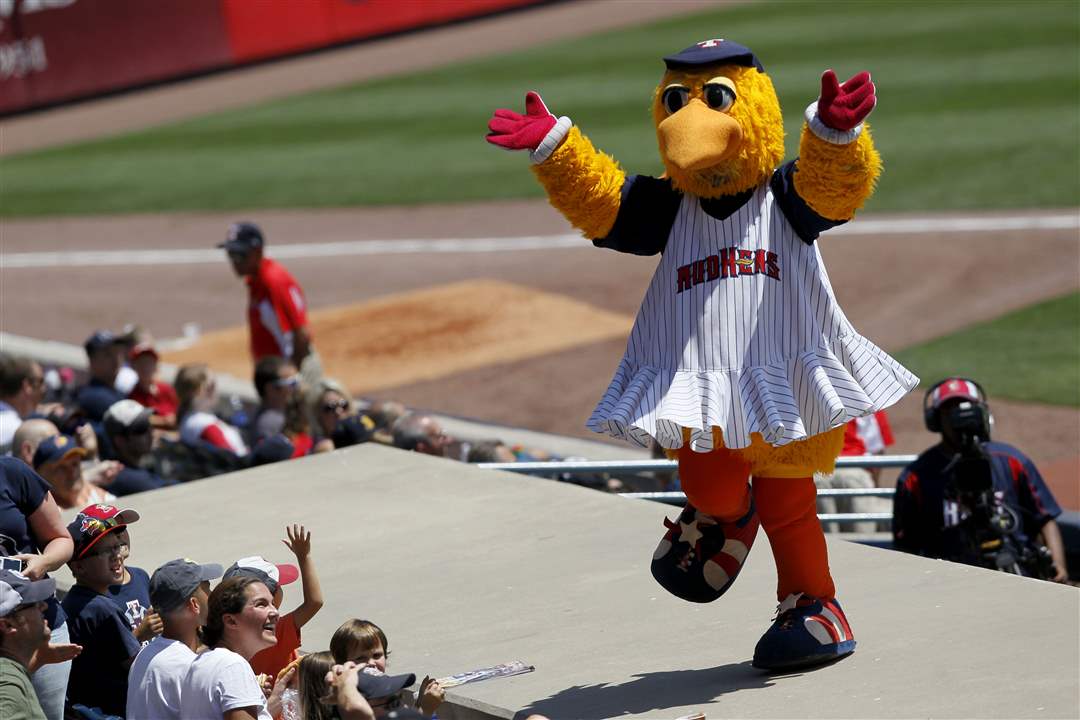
column 971, row 500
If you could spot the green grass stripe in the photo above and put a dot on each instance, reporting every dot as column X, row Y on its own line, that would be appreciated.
column 1031, row 355
column 979, row 107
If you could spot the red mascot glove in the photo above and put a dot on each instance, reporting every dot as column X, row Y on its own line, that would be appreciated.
column 842, row 107
column 512, row 131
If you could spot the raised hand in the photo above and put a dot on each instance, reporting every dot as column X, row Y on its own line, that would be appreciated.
column 842, row 107
column 298, row 540
column 514, row 131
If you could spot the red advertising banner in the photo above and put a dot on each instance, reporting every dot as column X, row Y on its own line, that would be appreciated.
column 52, row 50
column 57, row 50
column 259, row 30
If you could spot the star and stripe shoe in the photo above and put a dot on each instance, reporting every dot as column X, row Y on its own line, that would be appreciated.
column 699, row 557
column 807, row 631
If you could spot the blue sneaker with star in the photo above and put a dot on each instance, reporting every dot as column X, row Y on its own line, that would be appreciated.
column 807, row 631
column 700, row 556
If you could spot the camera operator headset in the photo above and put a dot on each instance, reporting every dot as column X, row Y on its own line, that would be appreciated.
column 994, row 478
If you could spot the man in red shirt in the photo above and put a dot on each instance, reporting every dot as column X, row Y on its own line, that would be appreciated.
column 277, row 311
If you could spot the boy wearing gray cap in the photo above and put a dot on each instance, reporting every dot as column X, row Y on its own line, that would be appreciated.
column 179, row 592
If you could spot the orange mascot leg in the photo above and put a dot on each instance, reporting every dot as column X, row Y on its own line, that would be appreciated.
column 715, row 482
column 788, row 513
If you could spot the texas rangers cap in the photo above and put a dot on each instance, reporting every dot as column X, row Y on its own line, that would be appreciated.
column 56, row 448
column 713, row 52
column 374, row 684
column 16, row 589
column 127, row 417
column 952, row 388
column 242, row 237
column 271, row 575
column 177, row 580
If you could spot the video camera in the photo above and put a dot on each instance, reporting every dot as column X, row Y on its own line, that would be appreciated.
column 991, row 527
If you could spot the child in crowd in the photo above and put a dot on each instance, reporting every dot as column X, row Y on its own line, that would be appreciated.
column 271, row 660
column 132, row 593
column 364, row 643
column 312, row 688
column 99, row 674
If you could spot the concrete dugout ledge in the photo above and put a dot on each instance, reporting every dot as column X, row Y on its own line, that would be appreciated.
column 466, row 568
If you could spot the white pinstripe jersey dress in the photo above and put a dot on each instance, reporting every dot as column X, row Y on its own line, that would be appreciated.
column 766, row 349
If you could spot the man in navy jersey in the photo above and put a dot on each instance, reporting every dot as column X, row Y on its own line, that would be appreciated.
column 935, row 510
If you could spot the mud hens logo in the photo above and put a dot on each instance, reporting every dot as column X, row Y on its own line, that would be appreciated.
column 728, row 263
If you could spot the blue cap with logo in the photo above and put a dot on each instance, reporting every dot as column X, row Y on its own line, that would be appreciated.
column 713, row 52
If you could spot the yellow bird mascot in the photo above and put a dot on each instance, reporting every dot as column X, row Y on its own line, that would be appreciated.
column 740, row 363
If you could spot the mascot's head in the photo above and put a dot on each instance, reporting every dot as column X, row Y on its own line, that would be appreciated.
column 717, row 119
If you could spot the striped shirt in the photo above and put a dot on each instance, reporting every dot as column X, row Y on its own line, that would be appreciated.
column 740, row 330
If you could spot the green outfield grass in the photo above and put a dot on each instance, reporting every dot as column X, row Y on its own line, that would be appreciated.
column 1031, row 355
column 979, row 107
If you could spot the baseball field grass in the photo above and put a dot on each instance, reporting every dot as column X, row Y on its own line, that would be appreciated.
column 1031, row 355
column 979, row 107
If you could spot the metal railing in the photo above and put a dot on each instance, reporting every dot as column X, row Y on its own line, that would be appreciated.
column 592, row 467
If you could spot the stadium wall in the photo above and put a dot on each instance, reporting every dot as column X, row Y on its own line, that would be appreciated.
column 54, row 51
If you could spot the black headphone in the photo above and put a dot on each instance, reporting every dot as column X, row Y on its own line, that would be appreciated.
column 932, row 414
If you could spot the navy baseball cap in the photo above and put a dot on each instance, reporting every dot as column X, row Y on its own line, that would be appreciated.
column 713, row 52
column 56, row 448
column 353, row 431
column 275, row 448
column 16, row 589
column 374, row 684
column 242, row 237
column 99, row 341
column 177, row 580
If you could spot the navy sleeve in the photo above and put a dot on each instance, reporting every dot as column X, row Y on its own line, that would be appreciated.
column 807, row 223
column 905, row 523
column 1033, row 491
column 25, row 487
column 646, row 213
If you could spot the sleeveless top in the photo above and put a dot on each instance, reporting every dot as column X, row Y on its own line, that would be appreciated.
column 740, row 330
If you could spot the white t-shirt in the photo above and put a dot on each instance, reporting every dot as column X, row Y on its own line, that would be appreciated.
column 219, row 680
column 155, row 679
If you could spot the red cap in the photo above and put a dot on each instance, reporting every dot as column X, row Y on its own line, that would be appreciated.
column 955, row 388
column 142, row 349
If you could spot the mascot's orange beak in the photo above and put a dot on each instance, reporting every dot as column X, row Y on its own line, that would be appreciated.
column 698, row 137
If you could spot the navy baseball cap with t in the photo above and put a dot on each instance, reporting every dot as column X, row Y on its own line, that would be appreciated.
column 177, row 580
column 242, row 237
column 17, row 590
column 713, row 52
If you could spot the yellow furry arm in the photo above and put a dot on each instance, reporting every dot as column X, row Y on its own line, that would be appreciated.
column 584, row 184
column 835, row 180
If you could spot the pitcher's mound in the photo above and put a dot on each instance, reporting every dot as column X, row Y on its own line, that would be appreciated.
column 428, row 334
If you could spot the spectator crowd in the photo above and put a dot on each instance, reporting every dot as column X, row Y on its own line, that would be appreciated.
column 127, row 643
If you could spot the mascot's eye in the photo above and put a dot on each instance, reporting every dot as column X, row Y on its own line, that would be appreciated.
column 674, row 98
column 718, row 96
